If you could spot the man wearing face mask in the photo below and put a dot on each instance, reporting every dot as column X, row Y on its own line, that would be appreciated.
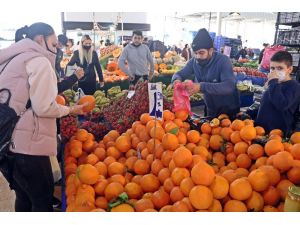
column 280, row 102
column 213, row 77
column 138, row 57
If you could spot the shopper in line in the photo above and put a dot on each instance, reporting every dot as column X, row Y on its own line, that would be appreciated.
column 261, row 54
column 86, row 57
column 138, row 57
column 213, row 77
column 281, row 101
column 28, row 71
column 242, row 53
column 186, row 52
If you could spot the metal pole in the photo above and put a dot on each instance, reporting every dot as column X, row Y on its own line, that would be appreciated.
column 62, row 14
column 219, row 23
column 209, row 21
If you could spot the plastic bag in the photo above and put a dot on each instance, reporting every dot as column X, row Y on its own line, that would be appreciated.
column 181, row 96
column 268, row 53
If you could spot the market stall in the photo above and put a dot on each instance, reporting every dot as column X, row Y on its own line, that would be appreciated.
column 147, row 165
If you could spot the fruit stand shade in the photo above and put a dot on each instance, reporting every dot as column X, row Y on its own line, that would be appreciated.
column 71, row 25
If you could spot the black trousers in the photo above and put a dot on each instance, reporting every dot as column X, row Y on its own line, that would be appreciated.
column 32, row 180
column 137, row 78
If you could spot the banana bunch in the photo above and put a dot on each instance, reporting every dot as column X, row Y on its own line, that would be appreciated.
column 69, row 95
column 111, row 93
column 99, row 93
column 101, row 101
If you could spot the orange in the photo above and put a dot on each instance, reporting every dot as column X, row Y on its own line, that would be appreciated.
column 149, row 183
column 182, row 114
column 259, row 180
column 201, row 197
column 178, row 174
column 276, row 132
column 113, row 152
column 157, row 132
column 248, row 133
column 216, row 142
column 90, row 99
column 100, row 153
column 156, row 167
column 170, row 142
column 60, row 100
column 260, row 131
column 117, row 178
column 160, row 198
column 271, row 196
column 235, row 137
column 243, row 161
column 255, row 203
column 202, row 151
column 182, row 157
column 168, row 185
column 180, row 206
column 168, row 115
column 101, row 168
column 283, row 161
column 81, row 135
column 116, row 168
column 283, row 187
column 87, row 174
column 237, row 125
column 141, row 167
column 235, row 206
column 133, row 190
column 123, row 144
column 182, row 139
column 186, row 185
column 206, row 128
column 143, row 204
column 176, row 195
column 113, row 190
column 295, row 138
column 240, row 189
column 225, row 123
column 272, row 173
column 273, row 146
column 255, row 151
column 166, row 157
column 163, row 175
column 193, row 136
column 100, row 186
column 294, row 175
column 101, row 203
column 226, row 133
column 295, row 151
column 240, row 148
column 145, row 118
column 203, row 174
column 219, row 187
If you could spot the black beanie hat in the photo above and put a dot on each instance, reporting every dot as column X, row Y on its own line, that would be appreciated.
column 62, row 39
column 202, row 40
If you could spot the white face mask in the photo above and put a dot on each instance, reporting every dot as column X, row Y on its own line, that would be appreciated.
column 281, row 75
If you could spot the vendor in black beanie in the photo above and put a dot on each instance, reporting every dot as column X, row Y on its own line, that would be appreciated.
column 213, row 76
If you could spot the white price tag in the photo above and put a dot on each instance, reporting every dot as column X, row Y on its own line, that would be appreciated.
column 155, row 100
column 130, row 94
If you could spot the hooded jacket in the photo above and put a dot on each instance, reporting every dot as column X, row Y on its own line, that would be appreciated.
column 29, row 74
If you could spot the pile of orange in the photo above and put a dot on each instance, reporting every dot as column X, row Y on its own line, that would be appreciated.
column 164, row 166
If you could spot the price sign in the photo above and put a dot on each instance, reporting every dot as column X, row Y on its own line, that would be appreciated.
column 155, row 100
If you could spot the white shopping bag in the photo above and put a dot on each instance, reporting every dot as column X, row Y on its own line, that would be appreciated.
column 55, row 168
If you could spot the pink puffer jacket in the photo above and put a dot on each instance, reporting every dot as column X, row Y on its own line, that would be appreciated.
column 30, row 74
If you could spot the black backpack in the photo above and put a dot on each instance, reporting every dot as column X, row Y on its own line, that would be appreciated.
column 8, row 120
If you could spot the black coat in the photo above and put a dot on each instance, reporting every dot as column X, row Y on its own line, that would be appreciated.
column 88, row 82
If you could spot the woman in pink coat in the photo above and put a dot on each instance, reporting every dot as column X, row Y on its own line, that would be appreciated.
column 28, row 71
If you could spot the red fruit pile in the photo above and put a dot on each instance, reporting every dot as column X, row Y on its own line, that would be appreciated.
column 123, row 112
column 68, row 127
column 99, row 130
